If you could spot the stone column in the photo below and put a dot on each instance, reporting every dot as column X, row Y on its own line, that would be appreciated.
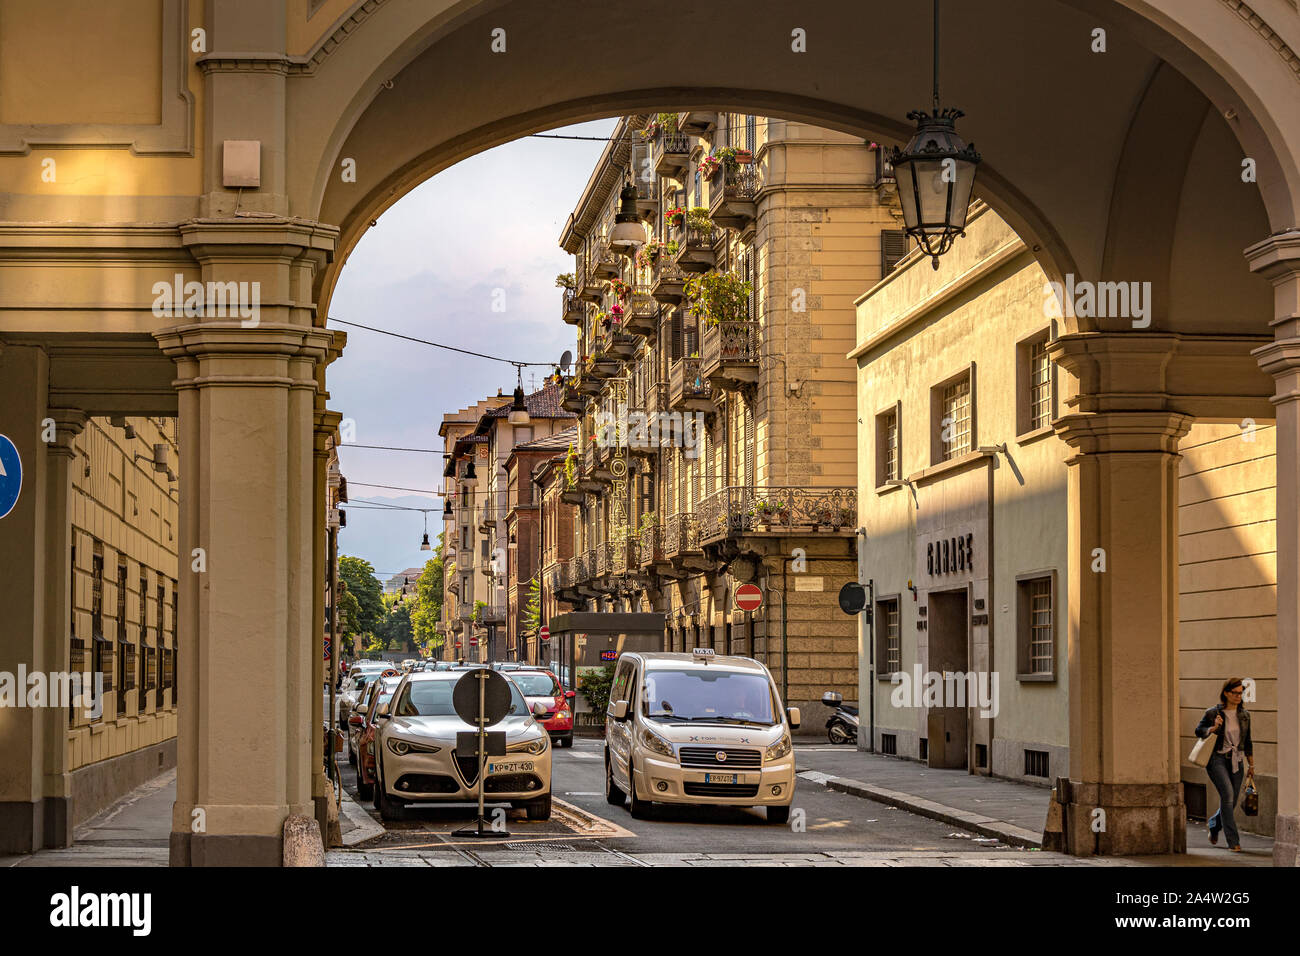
column 1278, row 259
column 61, row 458
column 244, row 761
column 1124, row 791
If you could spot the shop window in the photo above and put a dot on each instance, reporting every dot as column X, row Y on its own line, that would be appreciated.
column 1036, row 626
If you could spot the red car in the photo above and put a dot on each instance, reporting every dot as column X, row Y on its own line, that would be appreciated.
column 366, row 736
column 540, row 686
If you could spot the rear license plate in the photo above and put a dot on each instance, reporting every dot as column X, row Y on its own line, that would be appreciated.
column 513, row 766
column 719, row 778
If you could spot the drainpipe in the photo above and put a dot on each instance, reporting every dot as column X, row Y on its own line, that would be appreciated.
column 785, row 637
column 861, row 534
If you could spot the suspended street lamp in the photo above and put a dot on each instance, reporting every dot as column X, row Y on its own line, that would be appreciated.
column 935, row 173
column 424, row 544
column 518, row 410
column 628, row 234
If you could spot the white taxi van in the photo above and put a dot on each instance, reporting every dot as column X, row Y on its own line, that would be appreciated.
column 698, row 728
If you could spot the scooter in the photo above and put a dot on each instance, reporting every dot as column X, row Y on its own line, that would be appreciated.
column 842, row 728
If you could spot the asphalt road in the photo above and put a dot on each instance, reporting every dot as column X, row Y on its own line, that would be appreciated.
column 832, row 823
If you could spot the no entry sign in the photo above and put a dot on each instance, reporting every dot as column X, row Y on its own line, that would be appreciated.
column 749, row 597
column 545, row 633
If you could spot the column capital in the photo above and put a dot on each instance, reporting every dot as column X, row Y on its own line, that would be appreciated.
column 68, row 424
column 1093, row 433
column 1277, row 259
column 228, row 353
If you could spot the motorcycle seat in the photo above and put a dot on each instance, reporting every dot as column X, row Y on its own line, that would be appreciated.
column 849, row 709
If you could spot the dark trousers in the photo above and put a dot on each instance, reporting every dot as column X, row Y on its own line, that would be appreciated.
column 1229, row 785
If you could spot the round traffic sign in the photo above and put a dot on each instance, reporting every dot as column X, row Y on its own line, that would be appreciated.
column 749, row 597
column 11, row 475
column 545, row 633
column 496, row 696
column 853, row 598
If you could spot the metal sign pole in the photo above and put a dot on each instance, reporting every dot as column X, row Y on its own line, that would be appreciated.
column 482, row 746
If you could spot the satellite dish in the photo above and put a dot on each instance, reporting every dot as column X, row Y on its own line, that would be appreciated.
column 565, row 361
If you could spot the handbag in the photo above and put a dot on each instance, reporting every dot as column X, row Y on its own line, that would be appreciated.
column 1250, row 798
column 1203, row 751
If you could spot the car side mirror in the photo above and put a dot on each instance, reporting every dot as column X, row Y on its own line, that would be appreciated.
column 569, row 695
column 618, row 710
column 540, row 709
column 792, row 714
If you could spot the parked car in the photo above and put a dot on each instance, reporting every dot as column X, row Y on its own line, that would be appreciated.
column 355, row 685
column 416, row 758
column 540, row 686
column 698, row 729
column 379, row 697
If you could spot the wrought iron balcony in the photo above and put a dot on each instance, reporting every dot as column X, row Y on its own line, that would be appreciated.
column 647, row 195
column 733, row 195
column 492, row 614
column 618, row 342
column 742, row 510
column 602, row 366
column 642, row 315
column 650, row 553
column 681, row 541
column 688, row 390
column 604, row 261
column 670, row 154
column 571, row 399
column 588, row 286
column 729, row 354
column 667, row 280
column 572, row 310
column 625, row 553
column 695, row 251
column 656, row 398
column 586, row 383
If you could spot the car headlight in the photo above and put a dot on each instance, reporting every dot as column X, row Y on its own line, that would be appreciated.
column 778, row 749
column 653, row 742
column 403, row 747
column 528, row 746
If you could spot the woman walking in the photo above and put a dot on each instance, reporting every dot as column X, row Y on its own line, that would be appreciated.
column 1229, row 722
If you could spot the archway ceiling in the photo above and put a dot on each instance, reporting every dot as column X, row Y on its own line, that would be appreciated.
column 1050, row 117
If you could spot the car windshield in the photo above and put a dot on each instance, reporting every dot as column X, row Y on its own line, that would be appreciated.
column 536, row 683
column 709, row 694
column 432, row 698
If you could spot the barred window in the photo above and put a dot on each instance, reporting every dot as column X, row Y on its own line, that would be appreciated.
column 889, row 637
column 1040, row 385
column 1036, row 626
column 955, row 423
column 887, row 464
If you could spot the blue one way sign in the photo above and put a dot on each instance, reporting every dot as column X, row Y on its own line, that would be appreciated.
column 11, row 475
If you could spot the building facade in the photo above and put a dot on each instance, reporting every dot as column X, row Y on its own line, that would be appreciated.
column 717, row 411
column 964, row 490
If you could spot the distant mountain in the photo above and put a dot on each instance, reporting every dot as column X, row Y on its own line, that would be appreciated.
column 390, row 539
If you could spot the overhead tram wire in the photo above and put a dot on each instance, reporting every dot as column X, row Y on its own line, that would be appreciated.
column 439, row 345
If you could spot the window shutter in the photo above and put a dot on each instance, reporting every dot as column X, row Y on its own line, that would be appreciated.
column 750, row 130
column 677, row 334
column 893, row 246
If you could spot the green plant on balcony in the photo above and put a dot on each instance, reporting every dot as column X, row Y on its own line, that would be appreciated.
column 697, row 220
column 718, row 297
column 653, row 250
column 565, row 280
column 479, row 607
column 771, row 512
column 848, row 515
column 675, row 216
column 648, row 520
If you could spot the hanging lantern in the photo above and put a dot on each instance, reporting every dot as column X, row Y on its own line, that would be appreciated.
column 935, row 173
column 424, row 542
column 470, row 472
column 628, row 234
column 518, row 410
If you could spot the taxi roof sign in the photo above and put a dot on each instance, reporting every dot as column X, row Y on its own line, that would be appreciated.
column 703, row 651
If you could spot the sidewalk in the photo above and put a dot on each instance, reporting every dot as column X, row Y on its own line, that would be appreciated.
column 1008, row 811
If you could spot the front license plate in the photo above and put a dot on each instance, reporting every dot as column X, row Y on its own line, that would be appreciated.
column 514, row 766
column 719, row 778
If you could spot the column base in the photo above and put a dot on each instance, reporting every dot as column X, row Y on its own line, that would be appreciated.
column 1138, row 819
column 1286, row 840
column 327, row 817
column 227, row 849
column 28, row 826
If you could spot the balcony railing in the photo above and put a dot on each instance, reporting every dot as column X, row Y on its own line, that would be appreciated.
column 695, row 246
column 642, row 316
column 688, row 390
column 625, row 553
column 572, row 309
column 492, row 614
column 729, row 353
column 651, row 551
column 647, row 194
column 742, row 509
column 588, row 287
column 667, row 280
column 604, row 261
column 571, row 399
column 681, row 536
column 618, row 342
column 601, row 366
column 656, row 398
column 733, row 195
column 671, row 154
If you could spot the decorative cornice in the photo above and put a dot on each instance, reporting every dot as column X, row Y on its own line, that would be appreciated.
column 343, row 29
column 1260, row 26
